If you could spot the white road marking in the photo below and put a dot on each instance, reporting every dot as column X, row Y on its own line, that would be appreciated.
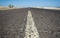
column 31, row 30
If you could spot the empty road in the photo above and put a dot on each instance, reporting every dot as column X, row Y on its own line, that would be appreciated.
column 44, row 23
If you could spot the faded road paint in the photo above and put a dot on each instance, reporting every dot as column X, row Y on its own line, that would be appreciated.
column 31, row 30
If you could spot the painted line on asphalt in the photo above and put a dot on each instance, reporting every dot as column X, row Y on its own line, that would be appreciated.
column 31, row 30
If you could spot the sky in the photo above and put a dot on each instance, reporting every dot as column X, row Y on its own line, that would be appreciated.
column 31, row 3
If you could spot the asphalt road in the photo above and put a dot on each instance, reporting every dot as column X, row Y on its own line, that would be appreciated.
column 13, row 22
column 47, row 22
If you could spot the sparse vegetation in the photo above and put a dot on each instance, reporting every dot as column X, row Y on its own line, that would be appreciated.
column 11, row 6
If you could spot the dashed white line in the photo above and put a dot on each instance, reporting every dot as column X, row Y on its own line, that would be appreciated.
column 31, row 30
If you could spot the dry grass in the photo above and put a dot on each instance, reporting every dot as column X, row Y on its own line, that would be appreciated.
column 51, row 8
column 6, row 8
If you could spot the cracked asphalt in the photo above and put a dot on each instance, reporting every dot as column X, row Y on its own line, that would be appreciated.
column 13, row 22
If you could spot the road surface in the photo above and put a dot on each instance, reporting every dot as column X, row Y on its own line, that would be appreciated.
column 46, row 23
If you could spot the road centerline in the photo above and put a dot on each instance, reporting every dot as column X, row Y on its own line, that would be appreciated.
column 31, row 30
